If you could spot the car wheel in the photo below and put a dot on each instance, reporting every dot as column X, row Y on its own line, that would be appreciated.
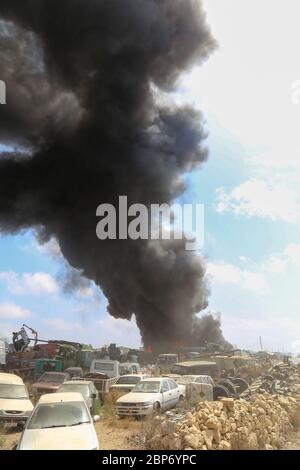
column 156, row 407
column 229, row 385
column 219, row 391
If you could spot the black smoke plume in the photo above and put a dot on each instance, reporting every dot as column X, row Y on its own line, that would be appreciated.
column 83, row 80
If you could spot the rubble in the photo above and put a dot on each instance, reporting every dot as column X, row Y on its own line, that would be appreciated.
column 259, row 423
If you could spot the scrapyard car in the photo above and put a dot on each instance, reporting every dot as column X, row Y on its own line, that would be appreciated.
column 49, row 382
column 15, row 405
column 127, row 382
column 85, row 387
column 60, row 421
column 75, row 372
column 149, row 396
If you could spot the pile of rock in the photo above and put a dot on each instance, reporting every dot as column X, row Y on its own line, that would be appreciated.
column 260, row 423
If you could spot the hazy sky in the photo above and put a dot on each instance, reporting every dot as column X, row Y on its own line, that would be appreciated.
column 249, row 186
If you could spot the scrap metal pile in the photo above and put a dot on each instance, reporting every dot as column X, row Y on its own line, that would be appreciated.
column 280, row 379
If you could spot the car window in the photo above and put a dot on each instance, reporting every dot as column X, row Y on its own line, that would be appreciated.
column 164, row 386
column 172, row 384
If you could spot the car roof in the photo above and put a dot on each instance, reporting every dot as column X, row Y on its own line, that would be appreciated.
column 73, row 368
column 10, row 379
column 131, row 375
column 77, row 382
column 60, row 397
column 195, row 363
column 156, row 379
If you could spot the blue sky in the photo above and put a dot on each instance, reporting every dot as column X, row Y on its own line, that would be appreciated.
column 249, row 186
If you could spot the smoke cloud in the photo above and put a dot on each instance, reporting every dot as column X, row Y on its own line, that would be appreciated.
column 80, row 81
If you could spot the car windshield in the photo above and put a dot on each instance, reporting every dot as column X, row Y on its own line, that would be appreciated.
column 16, row 392
column 59, row 415
column 81, row 388
column 129, row 380
column 147, row 387
column 48, row 377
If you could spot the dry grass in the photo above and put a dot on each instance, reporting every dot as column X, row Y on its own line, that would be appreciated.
column 2, row 441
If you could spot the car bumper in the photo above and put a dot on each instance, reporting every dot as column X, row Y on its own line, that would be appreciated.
column 134, row 410
column 14, row 418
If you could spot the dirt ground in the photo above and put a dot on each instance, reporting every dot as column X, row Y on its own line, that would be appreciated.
column 293, row 442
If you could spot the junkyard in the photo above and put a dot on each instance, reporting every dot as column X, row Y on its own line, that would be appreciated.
column 149, row 230
column 189, row 400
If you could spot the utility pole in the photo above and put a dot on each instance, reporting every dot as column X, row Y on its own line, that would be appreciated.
column 260, row 342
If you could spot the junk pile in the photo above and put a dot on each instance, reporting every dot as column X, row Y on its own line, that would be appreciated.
column 259, row 423
column 280, row 379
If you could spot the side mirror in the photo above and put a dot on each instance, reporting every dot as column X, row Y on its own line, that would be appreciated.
column 96, row 418
column 94, row 395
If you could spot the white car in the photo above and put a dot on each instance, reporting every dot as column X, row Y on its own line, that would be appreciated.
column 60, row 421
column 127, row 382
column 15, row 405
column 85, row 387
column 149, row 396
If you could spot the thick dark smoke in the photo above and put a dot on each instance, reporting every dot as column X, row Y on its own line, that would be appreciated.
column 80, row 78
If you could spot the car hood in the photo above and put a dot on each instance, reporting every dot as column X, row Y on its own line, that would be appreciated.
column 81, row 437
column 46, row 385
column 139, row 397
column 16, row 405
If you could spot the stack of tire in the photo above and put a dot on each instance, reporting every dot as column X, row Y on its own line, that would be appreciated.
column 230, row 387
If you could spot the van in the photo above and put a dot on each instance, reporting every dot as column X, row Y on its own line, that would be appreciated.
column 105, row 367
column 15, row 405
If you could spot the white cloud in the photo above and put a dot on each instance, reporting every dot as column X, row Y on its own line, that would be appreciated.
column 118, row 331
column 29, row 283
column 226, row 273
column 257, row 198
column 279, row 263
column 85, row 292
column 50, row 248
column 10, row 310
column 61, row 325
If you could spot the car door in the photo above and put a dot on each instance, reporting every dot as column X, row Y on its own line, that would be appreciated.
column 174, row 390
column 166, row 395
